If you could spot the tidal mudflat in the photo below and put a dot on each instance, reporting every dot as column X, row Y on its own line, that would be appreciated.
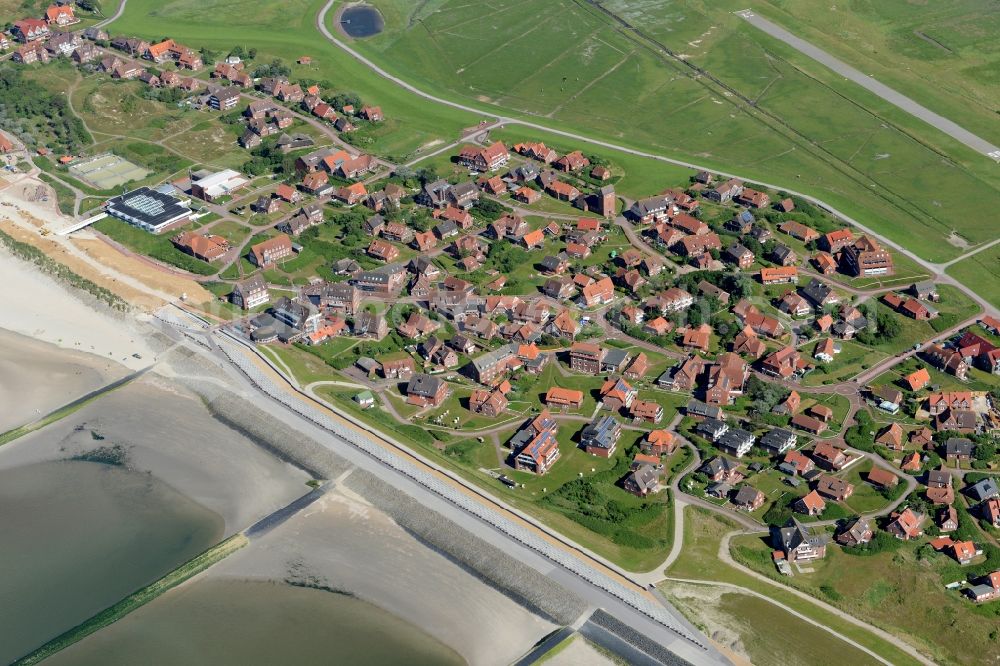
column 235, row 622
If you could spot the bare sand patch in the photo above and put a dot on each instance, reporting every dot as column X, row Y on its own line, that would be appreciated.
column 150, row 275
column 79, row 266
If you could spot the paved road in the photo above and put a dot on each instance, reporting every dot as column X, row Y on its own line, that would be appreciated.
column 936, row 269
column 114, row 17
column 941, row 123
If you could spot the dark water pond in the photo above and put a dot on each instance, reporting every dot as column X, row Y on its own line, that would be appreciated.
column 361, row 21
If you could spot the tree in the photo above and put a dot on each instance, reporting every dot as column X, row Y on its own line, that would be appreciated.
column 275, row 68
column 340, row 100
column 740, row 285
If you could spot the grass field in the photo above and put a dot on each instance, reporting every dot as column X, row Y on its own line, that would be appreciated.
column 286, row 30
column 761, row 627
column 852, row 359
column 895, row 590
column 982, row 271
column 703, row 531
column 578, row 74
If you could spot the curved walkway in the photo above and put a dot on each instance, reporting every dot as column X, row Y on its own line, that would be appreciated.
column 725, row 557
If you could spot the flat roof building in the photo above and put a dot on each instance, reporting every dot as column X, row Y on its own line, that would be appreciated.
column 149, row 209
column 212, row 186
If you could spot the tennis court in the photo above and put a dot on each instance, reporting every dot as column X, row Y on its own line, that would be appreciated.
column 106, row 171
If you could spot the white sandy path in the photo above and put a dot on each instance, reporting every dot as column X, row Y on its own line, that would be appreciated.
column 356, row 547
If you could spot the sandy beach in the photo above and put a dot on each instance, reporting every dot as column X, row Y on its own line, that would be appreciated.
column 41, row 308
column 343, row 542
column 37, row 377
column 166, row 430
column 162, row 427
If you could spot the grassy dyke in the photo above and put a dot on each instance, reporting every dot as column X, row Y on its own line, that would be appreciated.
column 136, row 600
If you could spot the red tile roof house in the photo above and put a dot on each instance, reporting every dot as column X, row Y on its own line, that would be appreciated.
column 725, row 192
column 835, row 241
column 779, row 275
column 30, row 29
column 829, row 456
column 808, row 423
column 658, row 443
column 572, row 162
column 426, row 391
column 600, row 292
column 383, row 250
column 352, row 194
column 490, row 158
column 527, row 195
column 946, row 359
column 799, row 462
column 536, row 151
column 586, row 357
column 561, row 397
column 488, row 403
column 905, row 525
column 782, row 363
column 271, row 251
column 891, row 437
column 60, row 15
column 799, row 231
column 371, row 113
column 316, row 183
column 824, row 263
column 752, row 198
column 617, row 394
column 834, row 488
column 288, row 193
column 748, row 498
column 646, row 410
column 540, row 454
column 206, row 248
column 811, row 504
column 563, row 191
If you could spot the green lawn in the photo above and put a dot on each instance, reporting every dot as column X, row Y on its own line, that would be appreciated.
column 703, row 531
column 852, row 359
column 584, row 75
column 638, row 545
column 897, row 591
column 305, row 367
column 983, row 271
column 866, row 497
column 153, row 245
column 286, row 30
column 763, row 628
